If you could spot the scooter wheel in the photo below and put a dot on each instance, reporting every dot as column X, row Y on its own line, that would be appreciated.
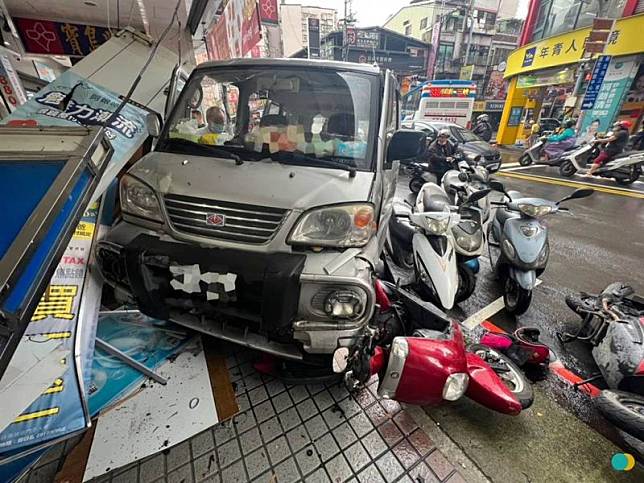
column 508, row 372
column 632, row 177
column 625, row 410
column 466, row 283
column 415, row 184
column 516, row 298
column 567, row 169
column 525, row 160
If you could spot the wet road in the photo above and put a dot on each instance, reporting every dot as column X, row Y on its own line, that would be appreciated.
column 602, row 242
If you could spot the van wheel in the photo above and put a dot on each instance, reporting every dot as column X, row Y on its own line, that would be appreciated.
column 632, row 177
column 415, row 184
column 525, row 160
column 567, row 169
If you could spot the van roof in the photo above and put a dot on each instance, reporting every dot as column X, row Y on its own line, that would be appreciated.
column 308, row 63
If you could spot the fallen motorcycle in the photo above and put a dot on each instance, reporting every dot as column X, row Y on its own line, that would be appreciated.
column 612, row 324
column 420, row 357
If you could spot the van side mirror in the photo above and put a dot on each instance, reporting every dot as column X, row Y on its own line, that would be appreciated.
column 153, row 124
column 405, row 144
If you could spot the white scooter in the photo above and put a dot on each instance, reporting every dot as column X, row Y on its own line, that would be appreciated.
column 533, row 153
column 625, row 168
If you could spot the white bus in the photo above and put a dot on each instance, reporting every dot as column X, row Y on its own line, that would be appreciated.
column 441, row 100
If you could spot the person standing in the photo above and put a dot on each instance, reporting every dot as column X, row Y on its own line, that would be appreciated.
column 483, row 128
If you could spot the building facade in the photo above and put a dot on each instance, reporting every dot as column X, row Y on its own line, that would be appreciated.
column 549, row 75
column 294, row 25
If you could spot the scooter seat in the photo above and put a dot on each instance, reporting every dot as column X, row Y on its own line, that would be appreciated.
column 625, row 154
column 436, row 202
column 401, row 230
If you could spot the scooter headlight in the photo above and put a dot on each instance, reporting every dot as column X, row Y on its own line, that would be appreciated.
column 436, row 227
column 534, row 211
column 455, row 386
column 508, row 249
column 469, row 240
column 529, row 230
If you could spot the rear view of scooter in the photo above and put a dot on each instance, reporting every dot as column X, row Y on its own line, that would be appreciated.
column 571, row 162
column 518, row 243
column 533, row 153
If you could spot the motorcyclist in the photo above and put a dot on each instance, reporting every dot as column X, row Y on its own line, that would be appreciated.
column 440, row 155
column 558, row 143
column 615, row 144
column 483, row 128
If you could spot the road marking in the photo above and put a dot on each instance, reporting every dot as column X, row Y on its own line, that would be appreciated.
column 509, row 165
column 575, row 184
column 522, row 168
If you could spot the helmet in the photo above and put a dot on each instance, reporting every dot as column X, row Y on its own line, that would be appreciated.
column 623, row 124
column 443, row 132
column 569, row 123
column 482, row 117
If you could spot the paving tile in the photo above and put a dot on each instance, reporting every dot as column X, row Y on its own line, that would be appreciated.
column 268, row 477
column 275, row 387
column 286, row 471
column 421, row 442
column 278, row 450
column 323, row 400
column 152, row 468
column 246, row 369
column 333, row 416
column 270, row 429
column 264, row 411
column 338, row 391
column 235, row 473
column 314, row 388
column 257, row 396
column 228, row 453
column 374, row 444
column 326, row 447
column 252, row 381
column 456, row 478
column 390, row 433
column 406, row 454
column 361, row 424
column 177, row 456
column 244, row 421
column 389, row 466
column 421, row 472
column 257, row 463
column 224, row 432
column 316, row 427
column 289, row 419
column 307, row 459
column 202, row 443
column 282, row 401
column 130, row 475
column 405, row 422
column 349, row 407
column 307, row 409
column 373, row 389
column 364, row 398
column 250, row 440
column 371, row 475
column 377, row 414
column 357, row 456
column 439, row 464
column 243, row 402
column 344, row 435
column 180, row 475
column 205, row 466
column 318, row 476
column 298, row 393
column 298, row 438
column 338, row 469
column 392, row 407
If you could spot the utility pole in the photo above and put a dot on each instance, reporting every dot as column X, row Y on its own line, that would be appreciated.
column 469, row 36
column 348, row 18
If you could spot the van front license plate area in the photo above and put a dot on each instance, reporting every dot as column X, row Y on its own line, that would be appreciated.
column 216, row 286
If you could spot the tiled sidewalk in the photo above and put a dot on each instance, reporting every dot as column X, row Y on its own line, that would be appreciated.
column 307, row 433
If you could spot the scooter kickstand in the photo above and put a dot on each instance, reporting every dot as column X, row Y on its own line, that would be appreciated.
column 586, row 381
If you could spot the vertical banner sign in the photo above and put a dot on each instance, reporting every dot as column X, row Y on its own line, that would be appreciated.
column 236, row 32
column 595, row 84
column 433, row 54
column 314, row 38
column 617, row 80
column 10, row 86
column 268, row 12
column 60, row 409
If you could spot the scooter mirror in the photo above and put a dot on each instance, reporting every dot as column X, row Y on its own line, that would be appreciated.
column 580, row 193
column 340, row 362
column 497, row 186
column 477, row 195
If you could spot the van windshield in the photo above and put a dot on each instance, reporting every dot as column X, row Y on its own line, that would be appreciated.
column 316, row 117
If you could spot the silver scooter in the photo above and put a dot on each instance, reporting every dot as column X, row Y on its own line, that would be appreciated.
column 518, row 243
column 533, row 153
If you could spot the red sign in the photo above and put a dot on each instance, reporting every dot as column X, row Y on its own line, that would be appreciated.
column 268, row 12
column 236, row 32
column 57, row 38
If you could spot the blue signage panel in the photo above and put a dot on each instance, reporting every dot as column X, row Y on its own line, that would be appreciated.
column 595, row 84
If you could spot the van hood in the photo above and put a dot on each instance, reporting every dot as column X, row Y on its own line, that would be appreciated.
column 257, row 183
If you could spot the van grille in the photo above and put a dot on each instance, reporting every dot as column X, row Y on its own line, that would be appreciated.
column 239, row 222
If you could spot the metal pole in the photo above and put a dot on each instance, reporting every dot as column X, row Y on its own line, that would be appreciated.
column 469, row 37
column 114, row 352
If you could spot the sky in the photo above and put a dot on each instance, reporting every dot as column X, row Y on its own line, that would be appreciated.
column 375, row 12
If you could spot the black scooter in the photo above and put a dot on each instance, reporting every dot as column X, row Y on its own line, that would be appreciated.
column 612, row 324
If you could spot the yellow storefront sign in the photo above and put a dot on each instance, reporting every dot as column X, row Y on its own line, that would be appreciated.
column 568, row 48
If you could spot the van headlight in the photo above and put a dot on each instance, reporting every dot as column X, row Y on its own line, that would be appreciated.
column 138, row 199
column 340, row 226
column 455, row 386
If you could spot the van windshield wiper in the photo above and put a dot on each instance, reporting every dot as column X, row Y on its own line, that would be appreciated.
column 288, row 157
column 188, row 145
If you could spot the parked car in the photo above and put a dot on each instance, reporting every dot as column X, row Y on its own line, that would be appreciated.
column 549, row 125
column 470, row 143
column 264, row 230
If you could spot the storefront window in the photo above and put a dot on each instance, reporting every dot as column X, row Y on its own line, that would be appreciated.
column 560, row 19
column 445, row 55
column 539, row 25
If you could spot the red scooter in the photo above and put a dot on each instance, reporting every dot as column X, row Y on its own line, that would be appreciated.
column 420, row 357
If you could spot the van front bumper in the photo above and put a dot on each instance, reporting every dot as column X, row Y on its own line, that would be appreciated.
column 278, row 300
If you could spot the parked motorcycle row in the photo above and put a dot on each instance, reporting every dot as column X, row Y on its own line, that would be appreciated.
column 624, row 169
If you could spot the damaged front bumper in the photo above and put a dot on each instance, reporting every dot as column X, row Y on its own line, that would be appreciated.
column 274, row 302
